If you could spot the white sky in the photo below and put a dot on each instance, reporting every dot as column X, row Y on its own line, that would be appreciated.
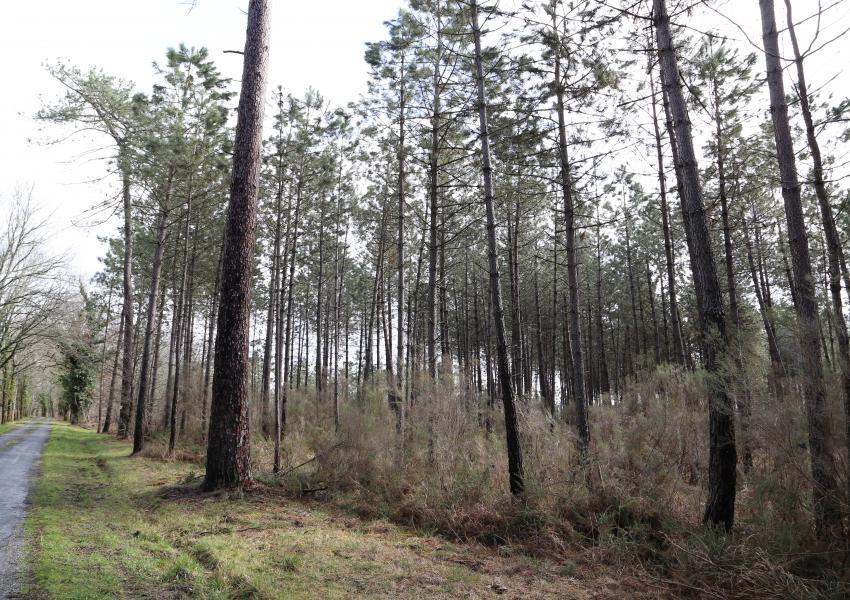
column 317, row 43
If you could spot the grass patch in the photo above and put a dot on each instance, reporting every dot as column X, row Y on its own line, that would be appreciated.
column 7, row 427
column 104, row 525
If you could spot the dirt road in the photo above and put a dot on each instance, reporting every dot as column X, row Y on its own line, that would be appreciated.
column 20, row 454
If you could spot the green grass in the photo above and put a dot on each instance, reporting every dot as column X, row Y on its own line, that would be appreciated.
column 7, row 427
column 104, row 525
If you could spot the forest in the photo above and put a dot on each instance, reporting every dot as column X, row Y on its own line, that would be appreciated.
column 568, row 280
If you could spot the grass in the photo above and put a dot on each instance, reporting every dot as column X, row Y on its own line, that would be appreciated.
column 104, row 525
column 7, row 427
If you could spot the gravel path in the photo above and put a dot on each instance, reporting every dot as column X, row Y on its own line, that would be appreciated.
column 20, row 455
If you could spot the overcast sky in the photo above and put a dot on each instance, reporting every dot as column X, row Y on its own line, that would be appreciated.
column 315, row 43
column 318, row 43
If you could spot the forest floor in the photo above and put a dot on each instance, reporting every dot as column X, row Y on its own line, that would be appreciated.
column 104, row 525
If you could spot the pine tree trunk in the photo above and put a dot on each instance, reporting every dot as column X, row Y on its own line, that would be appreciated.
column 656, row 340
column 319, row 297
column 139, row 435
column 769, row 331
column 542, row 371
column 675, row 324
column 835, row 252
column 210, row 341
column 515, row 470
column 731, row 286
column 182, row 331
column 590, row 365
column 665, row 328
column 127, row 314
column 554, row 329
column 276, row 291
column 445, row 350
column 604, row 378
column 107, row 420
column 396, row 399
column 228, row 448
column 573, row 320
column 271, row 313
column 677, row 168
column 638, row 354
column 106, row 321
column 433, row 197
column 156, row 352
column 286, row 381
column 172, row 342
column 516, row 337
column 720, row 505
column 189, row 345
column 825, row 484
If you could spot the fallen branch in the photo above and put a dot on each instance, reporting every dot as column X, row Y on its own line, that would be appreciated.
column 309, row 460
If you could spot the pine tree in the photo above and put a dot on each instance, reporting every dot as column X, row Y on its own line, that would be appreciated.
column 228, row 448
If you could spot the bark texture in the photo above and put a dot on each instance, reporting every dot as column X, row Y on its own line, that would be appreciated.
column 720, row 504
column 228, row 447
column 573, row 314
column 825, row 489
column 515, row 470
column 127, row 311
column 139, row 433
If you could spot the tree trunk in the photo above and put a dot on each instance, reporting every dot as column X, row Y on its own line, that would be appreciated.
column 270, row 321
column 835, row 252
column 127, row 364
column 604, row 379
column 542, row 371
column 139, row 434
column 675, row 324
column 720, row 505
column 172, row 341
column 575, row 345
column 155, row 371
column 107, row 420
column 731, row 287
column 106, row 321
column 210, row 341
column 433, row 197
column 399, row 375
column 228, row 449
column 515, row 470
column 319, row 298
column 286, row 382
column 182, row 330
column 825, row 489
column 636, row 323
column 189, row 336
column 278, row 284
column 769, row 331
column 656, row 340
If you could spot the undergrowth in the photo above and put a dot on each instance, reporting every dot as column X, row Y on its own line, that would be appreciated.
column 638, row 505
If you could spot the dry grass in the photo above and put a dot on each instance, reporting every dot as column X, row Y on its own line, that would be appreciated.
column 639, row 507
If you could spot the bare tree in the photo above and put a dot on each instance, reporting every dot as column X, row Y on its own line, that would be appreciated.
column 32, row 287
